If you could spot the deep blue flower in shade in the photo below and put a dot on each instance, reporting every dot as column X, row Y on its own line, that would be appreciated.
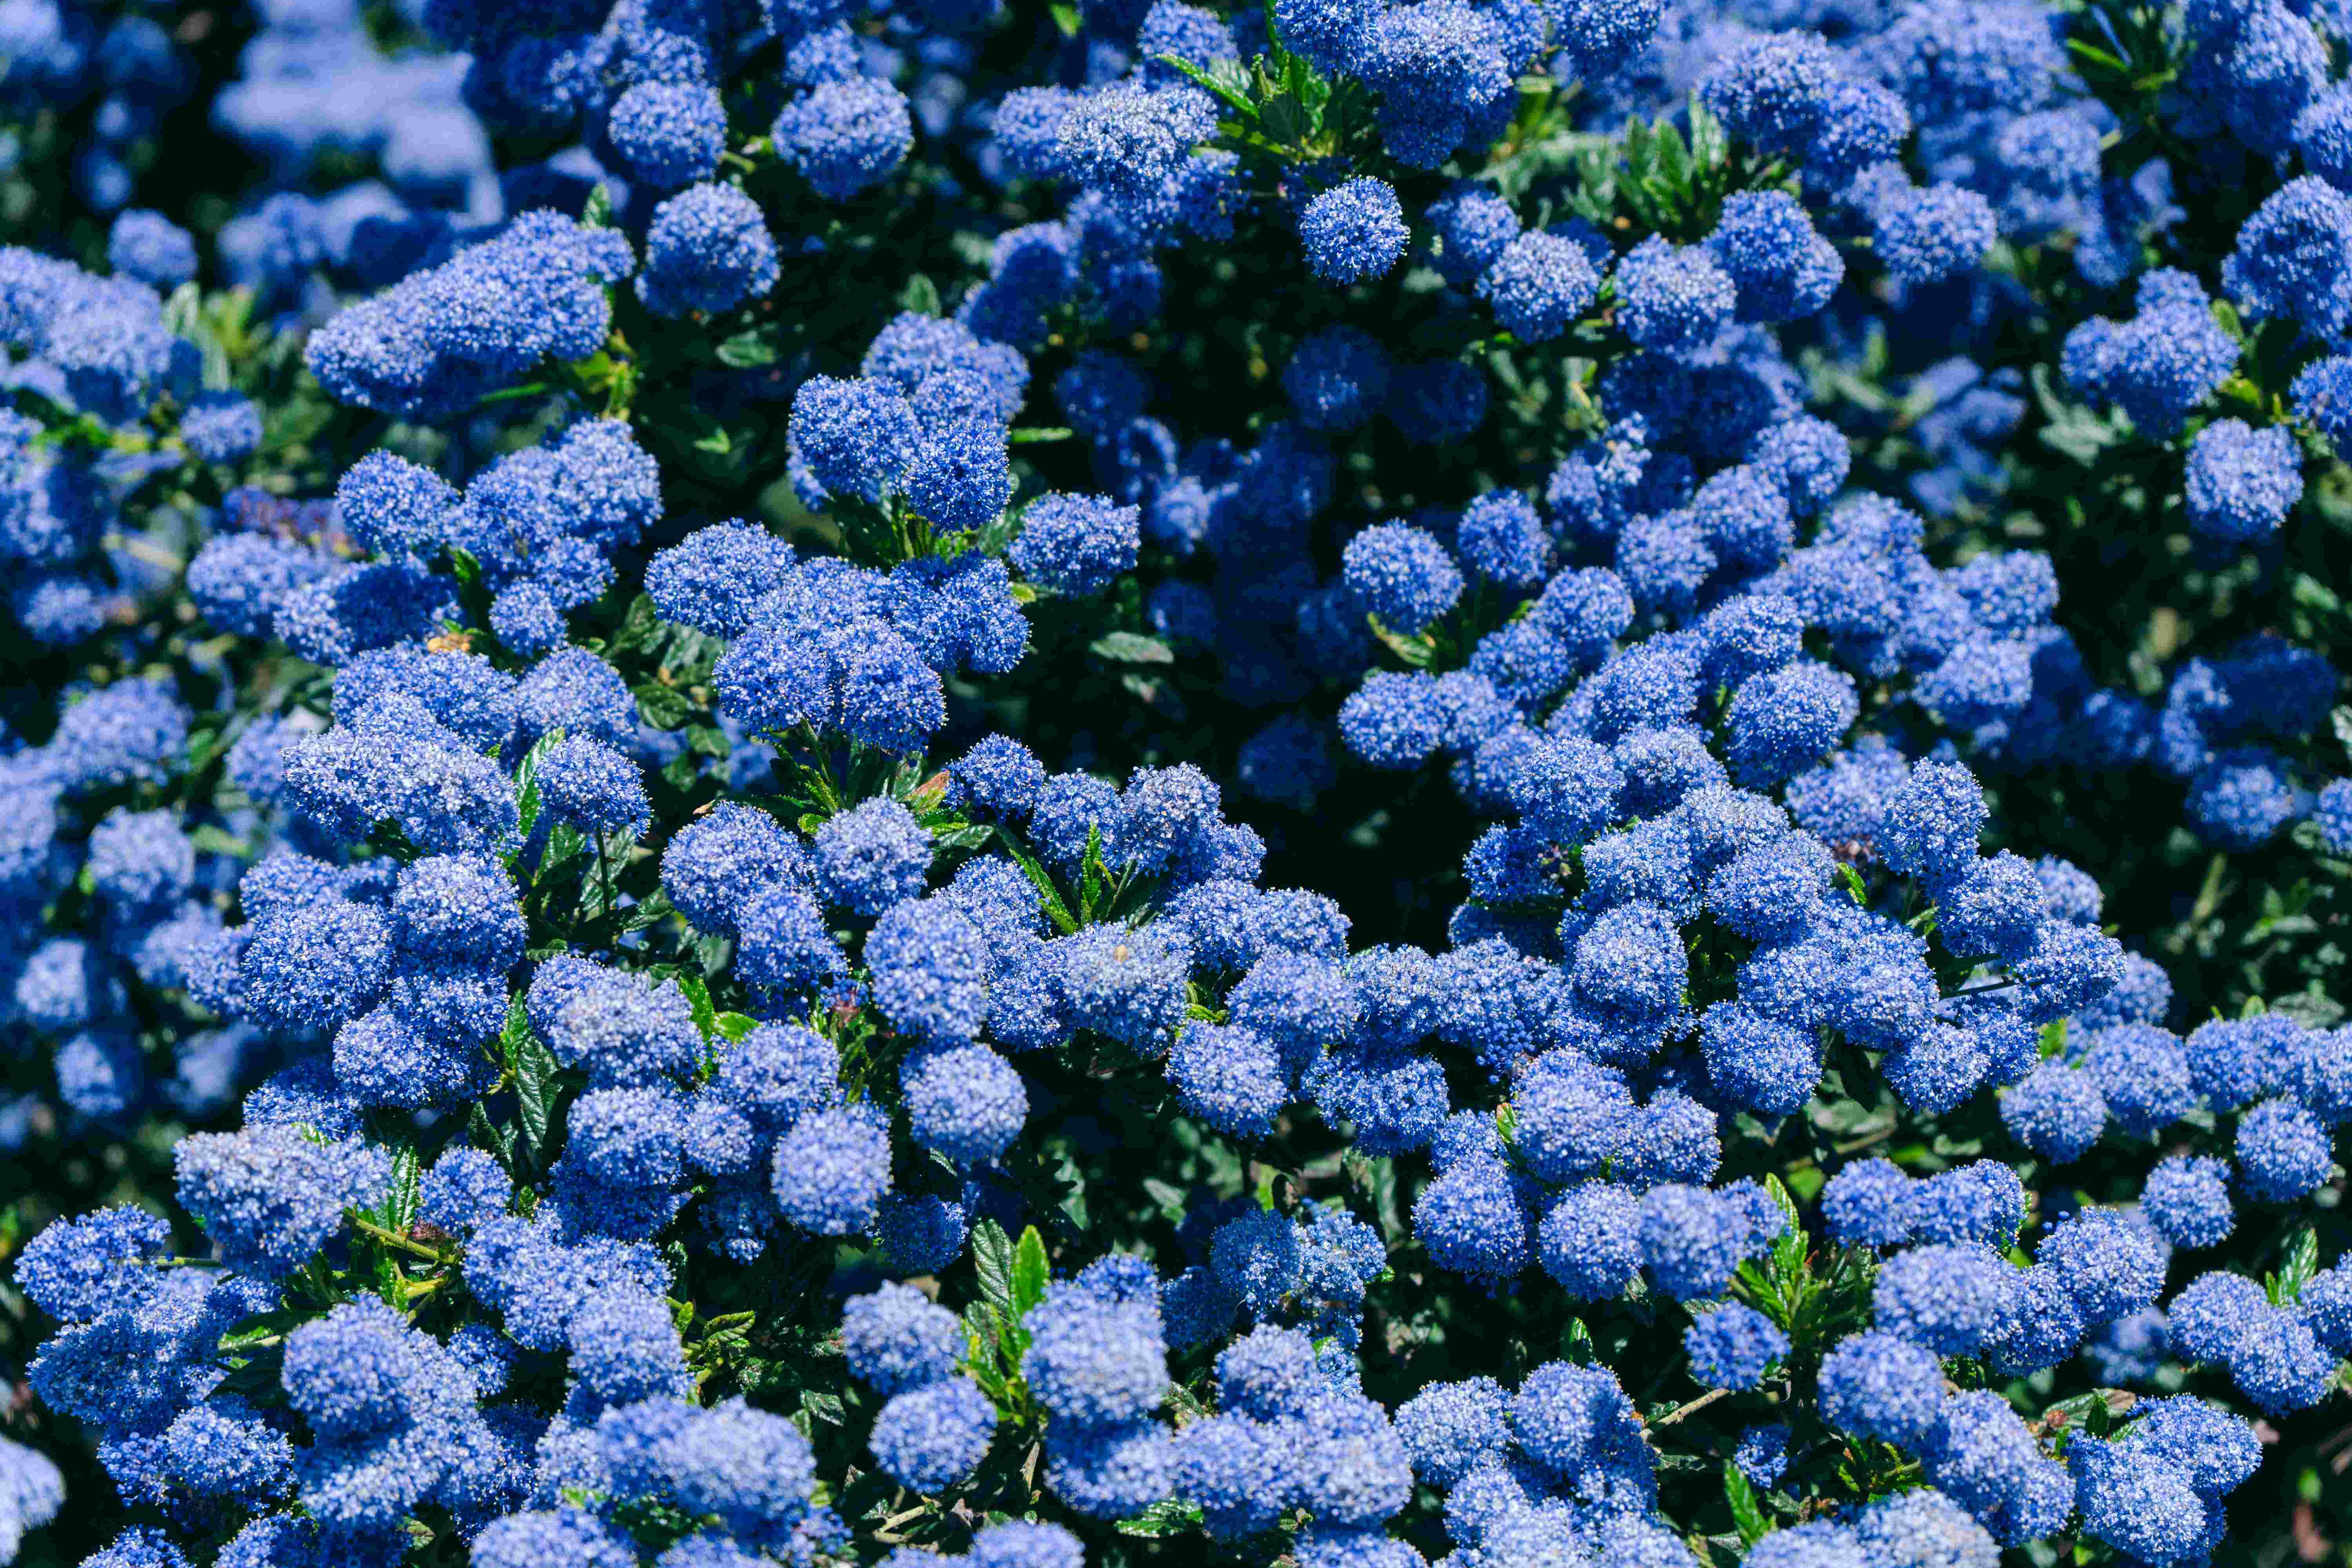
column 1436, row 401
column 1538, row 286
column 1353, row 232
column 668, row 133
column 2242, row 797
column 1924, row 236
column 1671, row 298
column 845, row 136
column 1077, row 544
column 1771, row 91
column 707, row 250
column 1783, row 267
column 2242, row 481
column 1786, row 719
column 1337, row 378
column 1731, row 1346
column 1472, row 223
column 1503, row 539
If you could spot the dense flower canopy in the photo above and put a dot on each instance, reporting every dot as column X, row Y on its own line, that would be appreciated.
column 1342, row 785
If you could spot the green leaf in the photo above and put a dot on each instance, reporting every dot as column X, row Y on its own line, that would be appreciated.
column 1093, row 872
column 1576, row 1342
column 598, row 212
column 1030, row 1273
column 992, row 1261
column 920, row 295
column 2302, row 1263
column 1745, row 1510
column 2342, row 721
column 747, row 350
column 1066, row 18
column 1233, row 97
column 1132, row 648
column 535, row 1071
column 1167, row 1517
column 639, row 627
column 2098, row 1420
column 1048, row 894
column 698, row 996
column 664, row 707
column 1031, row 435
column 209, row 839
column 489, row 1137
column 1285, row 120
column 400, row 1202
column 735, row 1026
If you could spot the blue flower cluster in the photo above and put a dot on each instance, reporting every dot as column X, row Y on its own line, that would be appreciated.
column 658, row 761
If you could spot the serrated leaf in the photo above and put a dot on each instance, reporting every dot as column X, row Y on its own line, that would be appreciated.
column 1745, row 1513
column 1132, row 648
column 1030, row 1273
column 1092, row 872
column 1233, row 96
column 400, row 1202
column 1285, row 120
column 1049, row 896
column 534, row 1069
column 698, row 997
column 1164, row 1518
column 2302, row 1263
column 639, row 626
column 489, row 1137
column 992, row 1261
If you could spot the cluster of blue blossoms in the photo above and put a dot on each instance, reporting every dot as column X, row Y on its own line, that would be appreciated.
column 662, row 751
